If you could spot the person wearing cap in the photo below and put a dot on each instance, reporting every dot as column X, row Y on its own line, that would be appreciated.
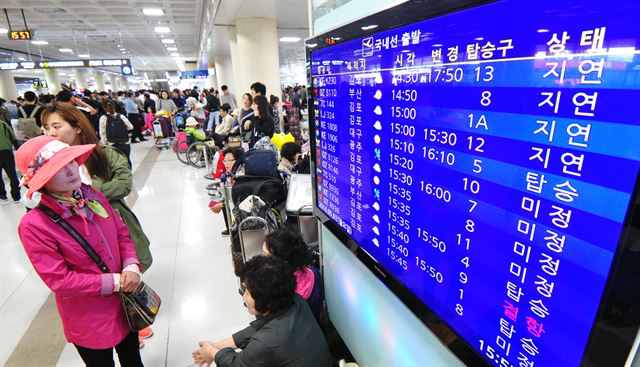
column 87, row 299
column 193, row 132
column 106, row 170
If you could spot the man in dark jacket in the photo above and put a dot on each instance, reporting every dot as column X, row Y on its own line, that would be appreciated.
column 213, row 106
column 285, row 333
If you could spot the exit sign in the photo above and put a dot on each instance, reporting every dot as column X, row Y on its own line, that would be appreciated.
column 20, row 35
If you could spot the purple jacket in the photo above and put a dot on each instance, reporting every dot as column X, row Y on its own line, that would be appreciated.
column 91, row 312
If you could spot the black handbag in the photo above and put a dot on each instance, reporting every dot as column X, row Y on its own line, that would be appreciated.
column 140, row 306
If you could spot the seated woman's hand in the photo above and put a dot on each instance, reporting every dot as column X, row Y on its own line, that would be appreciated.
column 205, row 354
column 217, row 208
column 129, row 281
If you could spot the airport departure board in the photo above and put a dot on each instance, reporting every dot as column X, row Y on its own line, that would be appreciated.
column 487, row 159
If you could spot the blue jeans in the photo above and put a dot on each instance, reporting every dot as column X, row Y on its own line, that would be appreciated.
column 213, row 120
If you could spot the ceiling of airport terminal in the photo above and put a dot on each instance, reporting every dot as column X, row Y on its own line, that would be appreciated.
column 290, row 15
column 109, row 26
column 103, row 28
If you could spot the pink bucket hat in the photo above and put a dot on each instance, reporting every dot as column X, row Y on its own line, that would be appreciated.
column 40, row 158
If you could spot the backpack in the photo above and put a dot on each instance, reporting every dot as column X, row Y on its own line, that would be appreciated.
column 270, row 190
column 27, row 125
column 252, row 206
column 259, row 162
column 120, row 107
column 116, row 129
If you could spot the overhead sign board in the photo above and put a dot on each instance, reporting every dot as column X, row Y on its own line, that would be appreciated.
column 20, row 35
column 194, row 74
column 126, row 70
column 30, row 65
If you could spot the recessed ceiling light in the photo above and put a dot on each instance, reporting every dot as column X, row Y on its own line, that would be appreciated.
column 289, row 39
column 153, row 12
column 3, row 30
column 168, row 41
column 66, row 50
column 175, row 54
column 40, row 42
column 84, row 56
column 172, row 49
column 162, row 29
column 368, row 27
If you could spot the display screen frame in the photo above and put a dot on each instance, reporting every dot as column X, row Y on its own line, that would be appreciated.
column 605, row 346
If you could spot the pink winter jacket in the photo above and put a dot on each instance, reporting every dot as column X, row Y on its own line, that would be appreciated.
column 91, row 312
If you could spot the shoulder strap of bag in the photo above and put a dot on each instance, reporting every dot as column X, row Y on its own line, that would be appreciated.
column 23, row 111
column 76, row 236
column 33, row 113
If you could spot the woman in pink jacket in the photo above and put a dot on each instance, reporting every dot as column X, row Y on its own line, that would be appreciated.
column 87, row 299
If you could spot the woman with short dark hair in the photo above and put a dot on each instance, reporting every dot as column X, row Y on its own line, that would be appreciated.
column 289, row 153
column 290, row 247
column 284, row 333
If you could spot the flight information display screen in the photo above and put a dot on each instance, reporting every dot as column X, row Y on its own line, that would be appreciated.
column 487, row 159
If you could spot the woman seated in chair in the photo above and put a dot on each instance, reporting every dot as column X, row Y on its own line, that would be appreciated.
column 290, row 247
column 284, row 333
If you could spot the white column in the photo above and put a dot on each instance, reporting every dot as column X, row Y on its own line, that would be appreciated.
column 224, row 73
column 81, row 77
column 8, row 89
column 212, row 82
column 114, row 83
column 53, row 81
column 258, row 36
column 99, row 76
column 124, row 83
column 240, row 89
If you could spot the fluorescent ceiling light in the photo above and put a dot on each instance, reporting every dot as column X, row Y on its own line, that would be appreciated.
column 168, row 41
column 40, row 42
column 175, row 54
column 368, row 27
column 162, row 29
column 3, row 30
column 172, row 49
column 84, row 56
column 66, row 50
column 153, row 12
column 289, row 39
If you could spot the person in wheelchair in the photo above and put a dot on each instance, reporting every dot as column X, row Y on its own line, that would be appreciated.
column 192, row 131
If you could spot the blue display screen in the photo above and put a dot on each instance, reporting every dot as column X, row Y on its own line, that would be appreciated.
column 487, row 159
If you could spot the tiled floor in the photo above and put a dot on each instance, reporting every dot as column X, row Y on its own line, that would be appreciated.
column 191, row 271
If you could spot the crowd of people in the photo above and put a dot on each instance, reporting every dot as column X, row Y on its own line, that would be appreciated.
column 79, row 172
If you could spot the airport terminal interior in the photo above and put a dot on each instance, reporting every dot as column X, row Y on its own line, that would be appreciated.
column 322, row 183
